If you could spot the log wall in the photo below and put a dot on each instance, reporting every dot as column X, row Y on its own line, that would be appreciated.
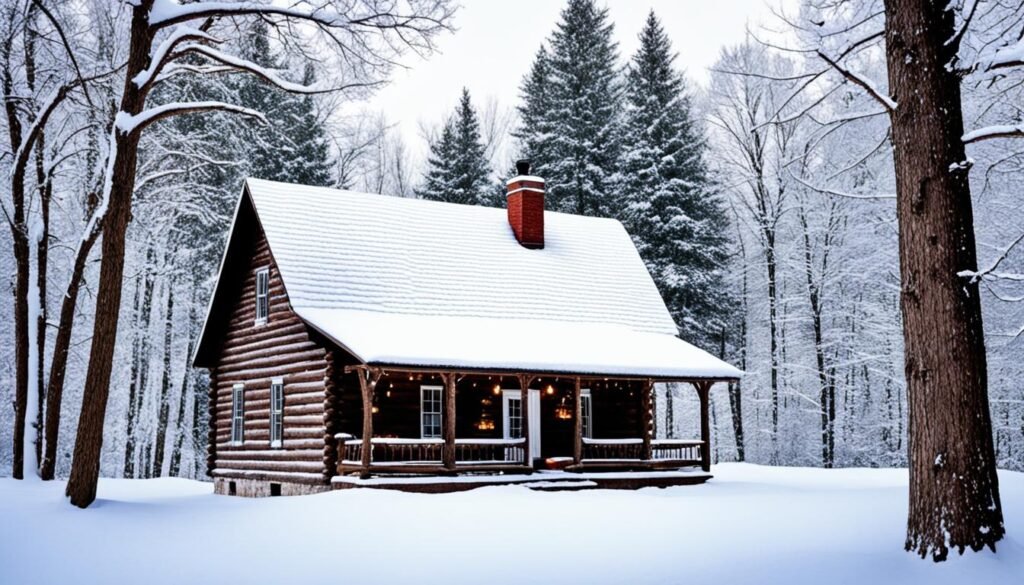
column 254, row 354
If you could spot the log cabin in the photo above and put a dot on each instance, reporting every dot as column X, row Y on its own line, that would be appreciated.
column 365, row 340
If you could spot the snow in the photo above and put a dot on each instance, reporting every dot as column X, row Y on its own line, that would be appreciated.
column 128, row 123
column 748, row 525
column 412, row 282
column 995, row 131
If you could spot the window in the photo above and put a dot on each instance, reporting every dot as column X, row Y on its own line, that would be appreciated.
column 237, row 412
column 430, row 411
column 276, row 412
column 586, row 413
column 513, row 414
column 262, row 295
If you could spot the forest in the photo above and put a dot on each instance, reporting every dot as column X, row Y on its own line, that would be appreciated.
column 764, row 203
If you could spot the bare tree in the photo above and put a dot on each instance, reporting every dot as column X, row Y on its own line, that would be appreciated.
column 365, row 35
column 954, row 494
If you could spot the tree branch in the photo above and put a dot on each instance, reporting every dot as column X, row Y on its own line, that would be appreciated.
column 869, row 87
column 128, row 124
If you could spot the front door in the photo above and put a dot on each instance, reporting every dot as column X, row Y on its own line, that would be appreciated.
column 512, row 413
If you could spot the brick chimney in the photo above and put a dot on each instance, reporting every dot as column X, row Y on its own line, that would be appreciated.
column 526, row 206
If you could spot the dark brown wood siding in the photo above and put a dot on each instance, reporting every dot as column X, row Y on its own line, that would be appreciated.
column 254, row 354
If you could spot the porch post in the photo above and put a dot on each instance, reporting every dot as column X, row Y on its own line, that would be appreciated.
column 577, row 439
column 448, row 416
column 703, row 389
column 368, row 379
column 647, row 418
column 524, row 411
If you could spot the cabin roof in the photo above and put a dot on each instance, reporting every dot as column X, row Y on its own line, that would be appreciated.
column 421, row 283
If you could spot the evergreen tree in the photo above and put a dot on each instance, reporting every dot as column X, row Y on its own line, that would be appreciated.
column 458, row 171
column 570, row 113
column 293, row 147
column 670, row 206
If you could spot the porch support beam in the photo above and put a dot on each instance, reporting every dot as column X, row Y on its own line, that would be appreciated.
column 448, row 419
column 647, row 419
column 577, row 438
column 368, row 378
column 703, row 392
column 524, row 410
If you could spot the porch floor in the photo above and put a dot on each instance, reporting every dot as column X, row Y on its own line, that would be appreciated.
column 547, row 480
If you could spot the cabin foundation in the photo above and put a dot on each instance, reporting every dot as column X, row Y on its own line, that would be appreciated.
column 257, row 488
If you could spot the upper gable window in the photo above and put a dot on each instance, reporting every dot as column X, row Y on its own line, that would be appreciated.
column 262, row 295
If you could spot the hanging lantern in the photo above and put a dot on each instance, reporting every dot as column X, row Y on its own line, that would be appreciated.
column 550, row 390
column 563, row 412
column 497, row 389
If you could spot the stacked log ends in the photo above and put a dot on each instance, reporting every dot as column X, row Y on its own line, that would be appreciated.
column 330, row 418
column 211, row 436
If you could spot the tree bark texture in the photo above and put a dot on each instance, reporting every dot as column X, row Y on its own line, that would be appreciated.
column 954, row 491
column 85, row 467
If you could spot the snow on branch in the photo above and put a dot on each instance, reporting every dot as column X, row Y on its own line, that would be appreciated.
column 167, row 13
column 996, row 131
column 862, row 81
column 128, row 123
column 160, row 55
column 268, row 75
column 828, row 191
column 990, row 272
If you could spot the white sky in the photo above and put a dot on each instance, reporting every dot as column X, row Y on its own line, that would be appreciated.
column 496, row 42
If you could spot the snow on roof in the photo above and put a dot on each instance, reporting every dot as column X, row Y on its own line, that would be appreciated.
column 412, row 282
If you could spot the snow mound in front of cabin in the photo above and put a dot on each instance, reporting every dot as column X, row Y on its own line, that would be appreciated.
column 750, row 524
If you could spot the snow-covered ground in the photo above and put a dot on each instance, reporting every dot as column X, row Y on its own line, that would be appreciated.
column 750, row 524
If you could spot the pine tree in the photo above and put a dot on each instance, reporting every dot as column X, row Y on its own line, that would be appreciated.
column 293, row 147
column 570, row 113
column 670, row 207
column 458, row 171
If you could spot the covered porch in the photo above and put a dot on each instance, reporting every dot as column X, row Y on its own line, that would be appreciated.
column 447, row 423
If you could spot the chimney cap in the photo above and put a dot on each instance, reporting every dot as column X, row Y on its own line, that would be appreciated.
column 523, row 166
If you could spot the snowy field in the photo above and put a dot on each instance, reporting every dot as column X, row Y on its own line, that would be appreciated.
column 750, row 524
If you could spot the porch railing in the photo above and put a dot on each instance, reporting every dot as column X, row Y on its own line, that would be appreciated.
column 664, row 452
column 427, row 455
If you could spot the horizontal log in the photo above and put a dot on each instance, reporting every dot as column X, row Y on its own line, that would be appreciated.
column 263, row 434
column 315, row 466
column 274, row 371
column 273, row 359
column 270, row 333
column 289, row 444
column 271, row 454
column 305, row 381
column 293, row 344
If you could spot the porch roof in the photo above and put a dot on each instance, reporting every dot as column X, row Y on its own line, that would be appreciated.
column 476, row 343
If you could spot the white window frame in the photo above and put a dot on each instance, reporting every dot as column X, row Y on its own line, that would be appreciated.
column 277, row 413
column 587, row 412
column 238, row 414
column 264, row 296
column 507, row 396
column 439, row 413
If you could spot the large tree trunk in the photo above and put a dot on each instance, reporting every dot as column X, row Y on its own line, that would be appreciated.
column 85, row 466
column 954, row 491
column 165, row 386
